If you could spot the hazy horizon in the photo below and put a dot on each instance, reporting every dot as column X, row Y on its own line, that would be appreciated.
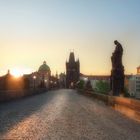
column 32, row 31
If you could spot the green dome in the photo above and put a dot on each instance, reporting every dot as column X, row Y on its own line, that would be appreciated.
column 44, row 67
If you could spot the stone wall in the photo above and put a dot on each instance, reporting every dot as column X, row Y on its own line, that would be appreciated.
column 15, row 94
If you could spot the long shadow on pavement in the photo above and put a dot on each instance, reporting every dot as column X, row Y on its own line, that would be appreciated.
column 13, row 112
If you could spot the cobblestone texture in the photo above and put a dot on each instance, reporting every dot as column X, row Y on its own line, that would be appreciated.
column 64, row 115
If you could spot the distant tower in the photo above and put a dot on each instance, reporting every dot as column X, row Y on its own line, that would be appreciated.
column 72, row 71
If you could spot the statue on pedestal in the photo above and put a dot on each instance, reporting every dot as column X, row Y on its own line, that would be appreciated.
column 117, row 72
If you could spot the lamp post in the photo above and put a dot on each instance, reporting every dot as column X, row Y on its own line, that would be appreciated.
column 34, row 78
column 51, row 84
column 45, row 83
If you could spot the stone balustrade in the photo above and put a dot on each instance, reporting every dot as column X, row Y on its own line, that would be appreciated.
column 128, row 106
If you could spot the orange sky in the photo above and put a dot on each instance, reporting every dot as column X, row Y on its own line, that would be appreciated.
column 34, row 31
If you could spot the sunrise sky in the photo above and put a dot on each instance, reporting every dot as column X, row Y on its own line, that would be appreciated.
column 32, row 31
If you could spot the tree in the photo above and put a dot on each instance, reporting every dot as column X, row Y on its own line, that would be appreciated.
column 103, row 87
column 80, row 84
column 88, row 85
column 126, row 92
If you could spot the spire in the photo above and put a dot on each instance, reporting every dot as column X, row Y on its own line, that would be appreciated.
column 56, row 75
column 8, row 72
column 72, row 57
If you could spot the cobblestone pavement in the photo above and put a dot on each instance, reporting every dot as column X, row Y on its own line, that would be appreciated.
column 64, row 115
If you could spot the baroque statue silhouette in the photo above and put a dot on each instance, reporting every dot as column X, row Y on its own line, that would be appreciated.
column 117, row 72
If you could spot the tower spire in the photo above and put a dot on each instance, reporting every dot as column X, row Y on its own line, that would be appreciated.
column 72, row 57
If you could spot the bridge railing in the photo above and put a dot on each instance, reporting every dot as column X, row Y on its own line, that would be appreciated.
column 128, row 106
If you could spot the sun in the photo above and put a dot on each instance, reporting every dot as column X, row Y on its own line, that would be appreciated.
column 17, row 73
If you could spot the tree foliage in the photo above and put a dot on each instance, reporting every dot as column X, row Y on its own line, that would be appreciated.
column 126, row 92
column 81, row 84
column 103, row 87
column 88, row 85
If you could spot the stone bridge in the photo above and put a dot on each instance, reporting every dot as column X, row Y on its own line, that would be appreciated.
column 64, row 115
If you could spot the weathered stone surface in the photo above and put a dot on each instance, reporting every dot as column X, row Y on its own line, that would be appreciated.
column 64, row 115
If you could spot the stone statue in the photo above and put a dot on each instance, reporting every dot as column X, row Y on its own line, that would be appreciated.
column 117, row 72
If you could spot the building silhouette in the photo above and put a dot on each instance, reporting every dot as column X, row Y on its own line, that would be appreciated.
column 134, row 84
column 72, row 71
column 9, row 82
column 62, row 80
column 40, row 78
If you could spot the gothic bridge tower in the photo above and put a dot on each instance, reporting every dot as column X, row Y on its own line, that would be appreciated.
column 72, row 71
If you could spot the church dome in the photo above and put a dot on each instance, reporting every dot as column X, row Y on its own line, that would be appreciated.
column 44, row 67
